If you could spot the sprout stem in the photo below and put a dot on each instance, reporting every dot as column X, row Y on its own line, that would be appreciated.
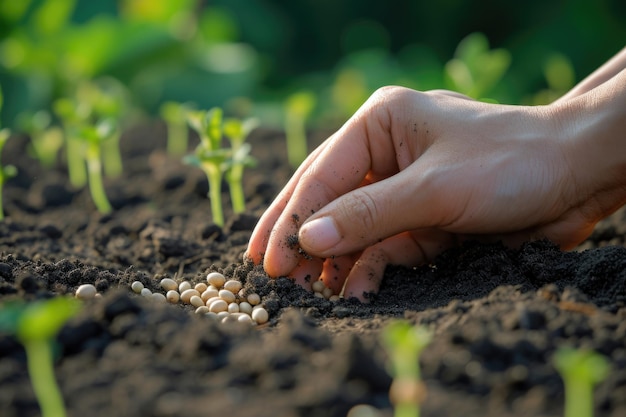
column 75, row 165
column 41, row 370
column 214, row 175
column 96, row 187
column 235, row 178
column 176, row 137
column 111, row 156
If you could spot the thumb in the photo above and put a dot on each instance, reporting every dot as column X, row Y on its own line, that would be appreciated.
column 368, row 215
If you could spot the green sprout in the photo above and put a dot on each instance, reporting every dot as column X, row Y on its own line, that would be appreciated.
column 404, row 343
column 298, row 108
column 35, row 326
column 8, row 171
column 73, row 115
column 175, row 116
column 237, row 132
column 210, row 156
column 580, row 370
column 45, row 140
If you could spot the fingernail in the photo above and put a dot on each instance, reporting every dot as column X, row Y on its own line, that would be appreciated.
column 319, row 235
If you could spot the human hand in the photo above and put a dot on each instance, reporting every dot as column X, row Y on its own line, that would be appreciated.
column 411, row 174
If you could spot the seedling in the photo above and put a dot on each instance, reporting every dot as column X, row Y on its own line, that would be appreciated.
column 175, row 116
column 298, row 108
column 580, row 370
column 35, row 326
column 404, row 343
column 73, row 115
column 8, row 171
column 210, row 156
column 46, row 140
column 237, row 132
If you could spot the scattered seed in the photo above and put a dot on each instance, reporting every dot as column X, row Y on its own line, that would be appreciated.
column 186, row 295
column 158, row 296
column 203, row 310
column 334, row 298
column 229, row 319
column 245, row 307
column 216, row 279
column 146, row 292
column 136, row 286
column 172, row 296
column 184, row 286
column 260, row 315
column 211, row 314
column 201, row 287
column 233, row 308
column 327, row 293
column 209, row 293
column 244, row 318
column 227, row 296
column 318, row 295
column 218, row 306
column 213, row 287
column 86, row 292
column 196, row 301
column 318, row 286
column 233, row 286
column 222, row 314
column 168, row 284
column 254, row 299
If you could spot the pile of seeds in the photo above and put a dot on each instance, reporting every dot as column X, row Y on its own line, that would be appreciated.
column 222, row 299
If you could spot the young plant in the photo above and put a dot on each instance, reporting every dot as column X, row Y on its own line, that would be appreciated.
column 298, row 108
column 580, row 370
column 35, row 326
column 404, row 343
column 175, row 116
column 73, row 115
column 45, row 140
column 210, row 156
column 8, row 171
column 237, row 132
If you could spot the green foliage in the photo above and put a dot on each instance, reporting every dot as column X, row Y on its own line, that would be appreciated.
column 175, row 116
column 45, row 139
column 298, row 108
column 580, row 370
column 404, row 343
column 237, row 132
column 7, row 171
column 35, row 325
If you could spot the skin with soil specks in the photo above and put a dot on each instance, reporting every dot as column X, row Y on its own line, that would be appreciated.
column 498, row 314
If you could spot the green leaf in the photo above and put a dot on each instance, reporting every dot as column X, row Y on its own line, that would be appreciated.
column 52, row 16
column 43, row 319
column 581, row 364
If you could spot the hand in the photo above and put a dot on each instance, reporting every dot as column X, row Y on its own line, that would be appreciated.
column 411, row 174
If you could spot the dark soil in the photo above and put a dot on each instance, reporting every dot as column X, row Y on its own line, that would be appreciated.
column 498, row 314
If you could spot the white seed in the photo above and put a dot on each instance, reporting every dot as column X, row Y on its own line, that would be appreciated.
column 216, row 279
column 146, row 292
column 210, row 300
column 184, row 286
column 245, row 307
column 211, row 314
column 260, row 315
column 218, row 306
column 222, row 314
column 233, row 286
column 186, row 295
column 98, row 295
column 168, row 284
column 172, row 296
column 244, row 318
column 318, row 295
column 233, row 308
column 196, row 301
column 202, row 310
column 136, row 286
column 201, row 287
column 327, row 293
column 318, row 286
column 158, row 296
column 227, row 296
column 209, row 293
column 334, row 298
column 256, row 307
column 212, row 287
column 86, row 292
column 229, row 318
column 254, row 299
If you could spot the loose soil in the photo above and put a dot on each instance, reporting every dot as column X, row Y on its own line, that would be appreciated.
column 498, row 314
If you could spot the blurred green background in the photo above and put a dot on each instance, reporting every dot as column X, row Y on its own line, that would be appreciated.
column 249, row 56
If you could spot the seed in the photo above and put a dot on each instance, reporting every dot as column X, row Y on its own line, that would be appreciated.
column 233, row 286
column 216, row 279
column 184, row 286
column 334, row 298
column 229, row 319
column 158, row 296
column 211, row 314
column 244, row 318
column 186, row 295
column 210, row 300
column 254, row 299
column 196, row 301
column 201, row 287
column 146, row 292
column 260, row 315
column 212, row 287
column 318, row 295
column 168, row 284
column 172, row 296
column 222, row 314
column 227, row 296
column 202, row 310
column 318, row 286
column 233, row 308
column 209, row 293
column 136, row 286
column 327, row 293
column 86, row 292
column 245, row 307
column 218, row 306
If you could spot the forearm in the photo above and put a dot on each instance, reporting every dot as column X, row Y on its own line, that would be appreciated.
column 607, row 71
